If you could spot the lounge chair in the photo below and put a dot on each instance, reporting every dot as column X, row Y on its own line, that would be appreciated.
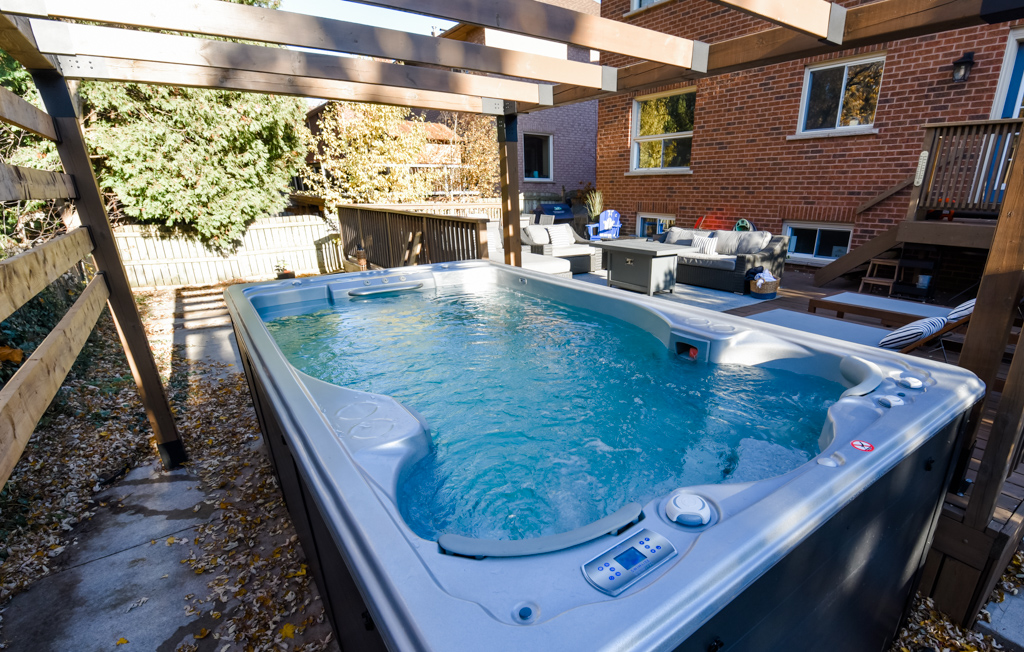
column 561, row 241
column 861, row 333
column 891, row 312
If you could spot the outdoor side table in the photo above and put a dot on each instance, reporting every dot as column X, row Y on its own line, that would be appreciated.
column 640, row 265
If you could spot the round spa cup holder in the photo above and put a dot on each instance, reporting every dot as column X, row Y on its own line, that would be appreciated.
column 525, row 613
column 690, row 510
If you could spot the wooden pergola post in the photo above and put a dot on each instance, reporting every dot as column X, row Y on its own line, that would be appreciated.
column 74, row 155
column 508, row 159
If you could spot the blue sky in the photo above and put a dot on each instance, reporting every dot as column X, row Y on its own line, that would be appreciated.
column 357, row 13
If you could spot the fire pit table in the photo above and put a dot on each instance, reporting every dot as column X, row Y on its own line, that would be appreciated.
column 640, row 265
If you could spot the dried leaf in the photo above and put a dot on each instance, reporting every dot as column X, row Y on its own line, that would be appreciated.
column 287, row 630
column 122, row 641
column 7, row 354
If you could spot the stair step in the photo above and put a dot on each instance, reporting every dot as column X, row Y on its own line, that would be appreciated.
column 878, row 280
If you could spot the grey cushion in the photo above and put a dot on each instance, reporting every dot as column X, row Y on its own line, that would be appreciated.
column 538, row 234
column 711, row 261
column 676, row 235
column 572, row 250
column 731, row 243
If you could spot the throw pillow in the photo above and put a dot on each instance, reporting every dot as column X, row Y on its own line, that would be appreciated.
column 961, row 311
column 912, row 332
column 538, row 234
column 561, row 235
column 704, row 245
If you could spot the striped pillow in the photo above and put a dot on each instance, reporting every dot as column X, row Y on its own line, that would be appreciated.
column 561, row 235
column 961, row 311
column 912, row 332
column 705, row 245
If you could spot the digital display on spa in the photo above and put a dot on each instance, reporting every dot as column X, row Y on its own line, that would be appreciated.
column 630, row 558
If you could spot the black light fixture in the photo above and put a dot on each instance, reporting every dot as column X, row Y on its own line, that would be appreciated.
column 962, row 67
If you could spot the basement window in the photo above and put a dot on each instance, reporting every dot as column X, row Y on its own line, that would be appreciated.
column 817, row 243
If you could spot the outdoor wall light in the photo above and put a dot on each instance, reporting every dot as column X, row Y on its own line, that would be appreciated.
column 962, row 67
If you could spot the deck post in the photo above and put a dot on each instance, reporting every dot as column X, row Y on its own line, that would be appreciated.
column 508, row 159
column 74, row 155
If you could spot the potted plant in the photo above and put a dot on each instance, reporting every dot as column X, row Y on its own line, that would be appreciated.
column 594, row 201
column 281, row 267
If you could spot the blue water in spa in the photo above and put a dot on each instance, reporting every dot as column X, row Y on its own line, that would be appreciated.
column 546, row 417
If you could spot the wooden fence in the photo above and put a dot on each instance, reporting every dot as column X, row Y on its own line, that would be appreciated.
column 27, row 395
column 394, row 238
column 154, row 259
column 492, row 209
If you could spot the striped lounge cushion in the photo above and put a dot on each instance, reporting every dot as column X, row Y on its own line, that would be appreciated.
column 912, row 332
column 704, row 245
column 561, row 235
column 961, row 311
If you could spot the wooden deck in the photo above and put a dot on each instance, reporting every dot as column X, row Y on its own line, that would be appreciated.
column 795, row 293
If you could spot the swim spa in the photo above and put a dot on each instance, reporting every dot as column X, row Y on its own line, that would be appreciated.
column 825, row 549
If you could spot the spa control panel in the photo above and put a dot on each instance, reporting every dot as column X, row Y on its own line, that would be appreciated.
column 614, row 570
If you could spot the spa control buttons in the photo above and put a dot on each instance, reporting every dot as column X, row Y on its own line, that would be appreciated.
column 617, row 568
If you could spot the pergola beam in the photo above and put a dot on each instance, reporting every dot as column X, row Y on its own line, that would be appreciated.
column 871, row 24
column 70, row 39
column 235, row 21
column 817, row 18
column 546, row 21
column 16, row 40
column 165, row 74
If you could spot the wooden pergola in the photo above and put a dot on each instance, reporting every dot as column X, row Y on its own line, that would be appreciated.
column 107, row 43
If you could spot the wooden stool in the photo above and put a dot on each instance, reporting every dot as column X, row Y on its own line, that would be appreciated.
column 872, row 277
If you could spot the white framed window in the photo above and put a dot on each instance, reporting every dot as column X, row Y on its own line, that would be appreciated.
column 841, row 96
column 642, row 4
column 663, row 131
column 1010, row 90
column 652, row 224
column 817, row 242
column 537, row 157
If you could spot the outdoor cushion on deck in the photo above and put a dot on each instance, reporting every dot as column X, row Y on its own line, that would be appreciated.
column 678, row 236
column 709, row 261
column 571, row 250
column 731, row 243
column 867, row 304
column 826, row 326
column 538, row 234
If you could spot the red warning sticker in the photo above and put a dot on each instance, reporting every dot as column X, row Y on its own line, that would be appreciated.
column 862, row 445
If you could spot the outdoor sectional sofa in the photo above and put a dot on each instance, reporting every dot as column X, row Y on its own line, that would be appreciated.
column 736, row 252
column 561, row 241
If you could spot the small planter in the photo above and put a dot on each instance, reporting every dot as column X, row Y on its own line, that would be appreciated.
column 285, row 274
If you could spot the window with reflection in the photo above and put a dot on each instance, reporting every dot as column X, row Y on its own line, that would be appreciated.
column 842, row 96
column 663, row 131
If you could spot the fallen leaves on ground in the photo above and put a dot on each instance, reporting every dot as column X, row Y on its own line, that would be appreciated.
column 927, row 628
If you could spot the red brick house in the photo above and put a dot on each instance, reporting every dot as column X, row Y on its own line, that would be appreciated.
column 794, row 147
column 557, row 145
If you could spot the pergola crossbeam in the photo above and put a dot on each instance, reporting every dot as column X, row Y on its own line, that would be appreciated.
column 235, row 21
column 546, row 21
column 871, row 24
column 69, row 39
column 817, row 18
column 147, row 72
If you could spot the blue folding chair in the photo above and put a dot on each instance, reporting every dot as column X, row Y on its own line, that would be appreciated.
column 607, row 226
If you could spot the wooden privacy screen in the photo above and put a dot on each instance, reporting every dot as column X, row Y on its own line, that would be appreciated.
column 391, row 238
column 28, row 394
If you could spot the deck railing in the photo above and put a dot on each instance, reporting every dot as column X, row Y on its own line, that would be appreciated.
column 966, row 165
column 393, row 238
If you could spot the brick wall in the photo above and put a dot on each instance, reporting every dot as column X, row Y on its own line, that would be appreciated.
column 743, row 164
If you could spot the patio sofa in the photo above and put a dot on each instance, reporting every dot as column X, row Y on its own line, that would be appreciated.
column 735, row 253
column 561, row 241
